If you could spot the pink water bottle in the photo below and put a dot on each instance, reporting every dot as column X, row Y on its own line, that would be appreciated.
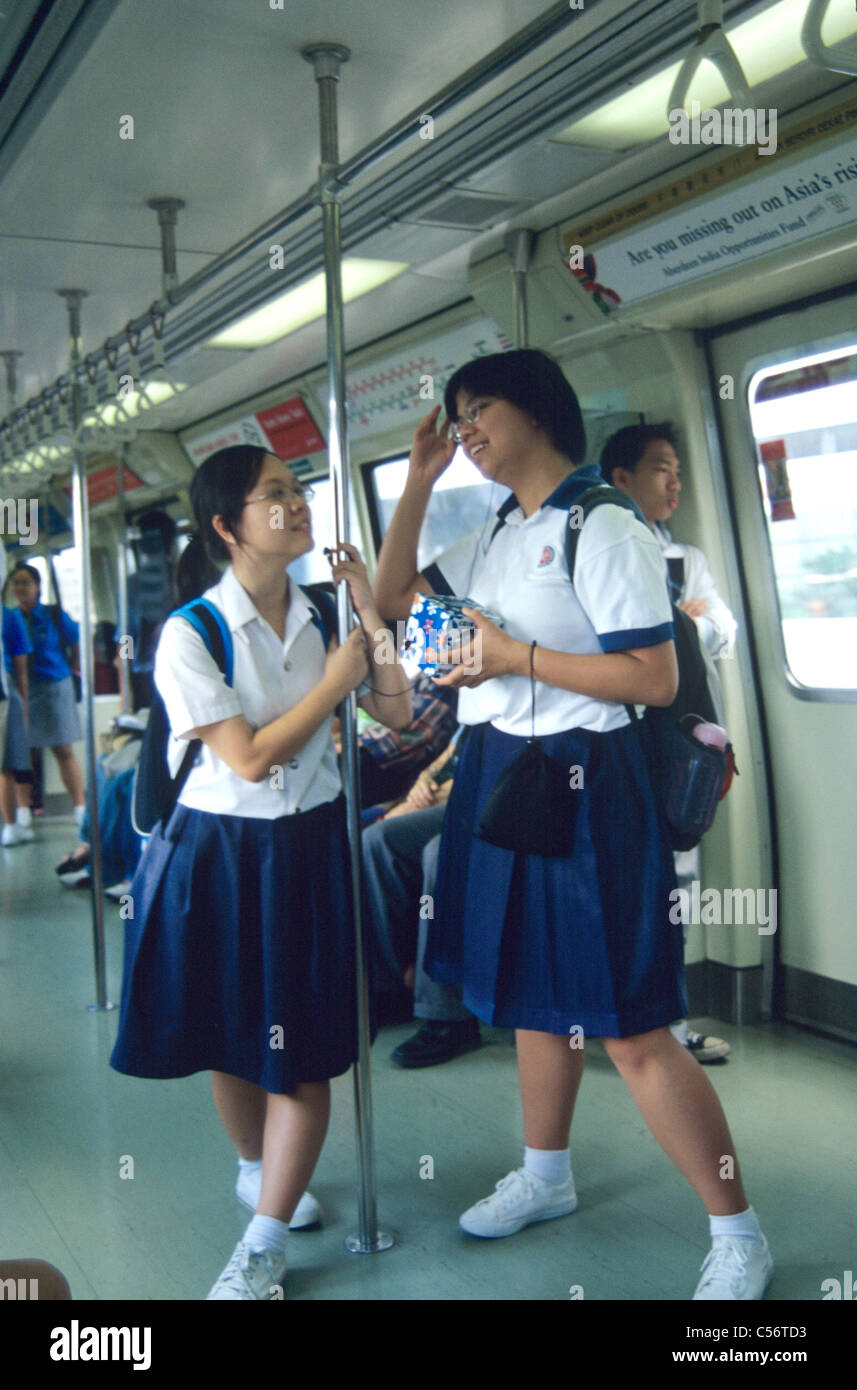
column 711, row 735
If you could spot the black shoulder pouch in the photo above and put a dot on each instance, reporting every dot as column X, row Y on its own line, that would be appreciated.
column 531, row 808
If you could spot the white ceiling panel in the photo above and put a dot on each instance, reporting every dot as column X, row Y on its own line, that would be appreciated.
column 225, row 117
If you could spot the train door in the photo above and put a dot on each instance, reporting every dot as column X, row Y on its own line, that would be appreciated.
column 786, row 387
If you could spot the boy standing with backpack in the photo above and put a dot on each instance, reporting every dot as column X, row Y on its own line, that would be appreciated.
column 641, row 461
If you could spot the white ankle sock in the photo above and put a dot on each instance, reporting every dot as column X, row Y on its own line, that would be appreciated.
column 249, row 1165
column 551, row 1165
column 267, row 1233
column 24, row 816
column 743, row 1223
column 79, row 813
column 680, row 1032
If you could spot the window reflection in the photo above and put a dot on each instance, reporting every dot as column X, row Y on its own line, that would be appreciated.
column 804, row 418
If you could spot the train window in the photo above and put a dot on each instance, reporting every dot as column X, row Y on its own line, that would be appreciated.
column 460, row 503
column 313, row 568
column 804, row 416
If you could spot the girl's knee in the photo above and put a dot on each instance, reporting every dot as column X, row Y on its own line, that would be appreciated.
column 637, row 1050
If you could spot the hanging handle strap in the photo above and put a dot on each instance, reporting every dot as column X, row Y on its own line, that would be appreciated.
column 532, row 689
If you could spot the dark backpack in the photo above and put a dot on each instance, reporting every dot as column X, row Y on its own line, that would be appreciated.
column 689, row 778
column 156, row 791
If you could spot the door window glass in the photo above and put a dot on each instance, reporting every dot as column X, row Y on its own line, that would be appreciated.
column 461, row 502
column 804, row 417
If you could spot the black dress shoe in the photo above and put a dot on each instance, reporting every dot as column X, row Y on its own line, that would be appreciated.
column 436, row 1042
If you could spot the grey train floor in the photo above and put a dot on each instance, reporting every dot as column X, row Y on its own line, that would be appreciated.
column 68, row 1125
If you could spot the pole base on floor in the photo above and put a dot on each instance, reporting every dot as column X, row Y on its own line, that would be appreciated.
column 101, row 1008
column 383, row 1241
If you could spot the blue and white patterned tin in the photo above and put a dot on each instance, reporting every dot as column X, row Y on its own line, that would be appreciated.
column 436, row 632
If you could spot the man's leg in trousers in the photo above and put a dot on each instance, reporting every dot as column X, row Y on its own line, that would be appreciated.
column 392, row 872
column 442, row 1003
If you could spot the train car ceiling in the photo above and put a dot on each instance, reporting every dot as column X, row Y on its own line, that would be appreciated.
column 77, row 171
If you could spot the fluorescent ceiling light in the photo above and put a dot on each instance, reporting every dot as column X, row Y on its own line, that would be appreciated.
column 767, row 45
column 37, row 460
column 304, row 303
column 113, row 412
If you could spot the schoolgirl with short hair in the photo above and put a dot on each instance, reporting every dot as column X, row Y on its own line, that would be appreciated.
column 578, row 943
column 239, row 959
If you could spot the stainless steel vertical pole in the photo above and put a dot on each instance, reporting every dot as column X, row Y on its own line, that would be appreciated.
column 519, row 245
column 80, row 512
column 122, row 596
column 326, row 59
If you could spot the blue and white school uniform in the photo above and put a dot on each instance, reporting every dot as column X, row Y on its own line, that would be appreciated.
column 549, row 943
column 15, row 642
column 240, row 954
column 53, row 715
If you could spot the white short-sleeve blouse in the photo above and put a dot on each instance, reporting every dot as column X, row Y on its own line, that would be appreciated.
column 270, row 677
column 619, row 601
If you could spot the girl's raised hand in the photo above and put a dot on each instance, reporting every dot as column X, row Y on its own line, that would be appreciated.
column 432, row 449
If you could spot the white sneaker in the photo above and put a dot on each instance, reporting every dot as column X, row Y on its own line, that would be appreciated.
column 12, row 835
column 519, row 1199
column 735, row 1269
column 707, row 1049
column 251, row 1274
column 307, row 1214
column 118, row 890
column 25, row 832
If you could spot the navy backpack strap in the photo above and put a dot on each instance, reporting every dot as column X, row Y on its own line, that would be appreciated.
column 212, row 627
column 675, row 569
column 322, row 611
column 600, row 495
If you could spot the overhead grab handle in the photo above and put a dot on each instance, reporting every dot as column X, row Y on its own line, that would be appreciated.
column 143, row 399
column 711, row 45
column 838, row 59
column 160, row 371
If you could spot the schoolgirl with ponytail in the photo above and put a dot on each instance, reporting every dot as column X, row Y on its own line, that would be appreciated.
column 239, row 959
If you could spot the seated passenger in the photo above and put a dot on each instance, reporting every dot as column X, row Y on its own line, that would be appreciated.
column 391, row 758
column 399, row 865
column 641, row 460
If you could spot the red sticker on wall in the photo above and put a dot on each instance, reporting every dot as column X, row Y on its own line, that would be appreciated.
column 774, row 460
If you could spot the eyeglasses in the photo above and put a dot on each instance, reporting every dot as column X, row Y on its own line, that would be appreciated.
column 282, row 494
column 471, row 415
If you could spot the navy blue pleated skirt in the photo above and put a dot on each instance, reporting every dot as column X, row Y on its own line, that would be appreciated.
column 550, row 943
column 240, row 954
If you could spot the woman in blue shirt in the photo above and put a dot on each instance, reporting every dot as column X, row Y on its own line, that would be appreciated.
column 54, row 721
column 14, row 800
